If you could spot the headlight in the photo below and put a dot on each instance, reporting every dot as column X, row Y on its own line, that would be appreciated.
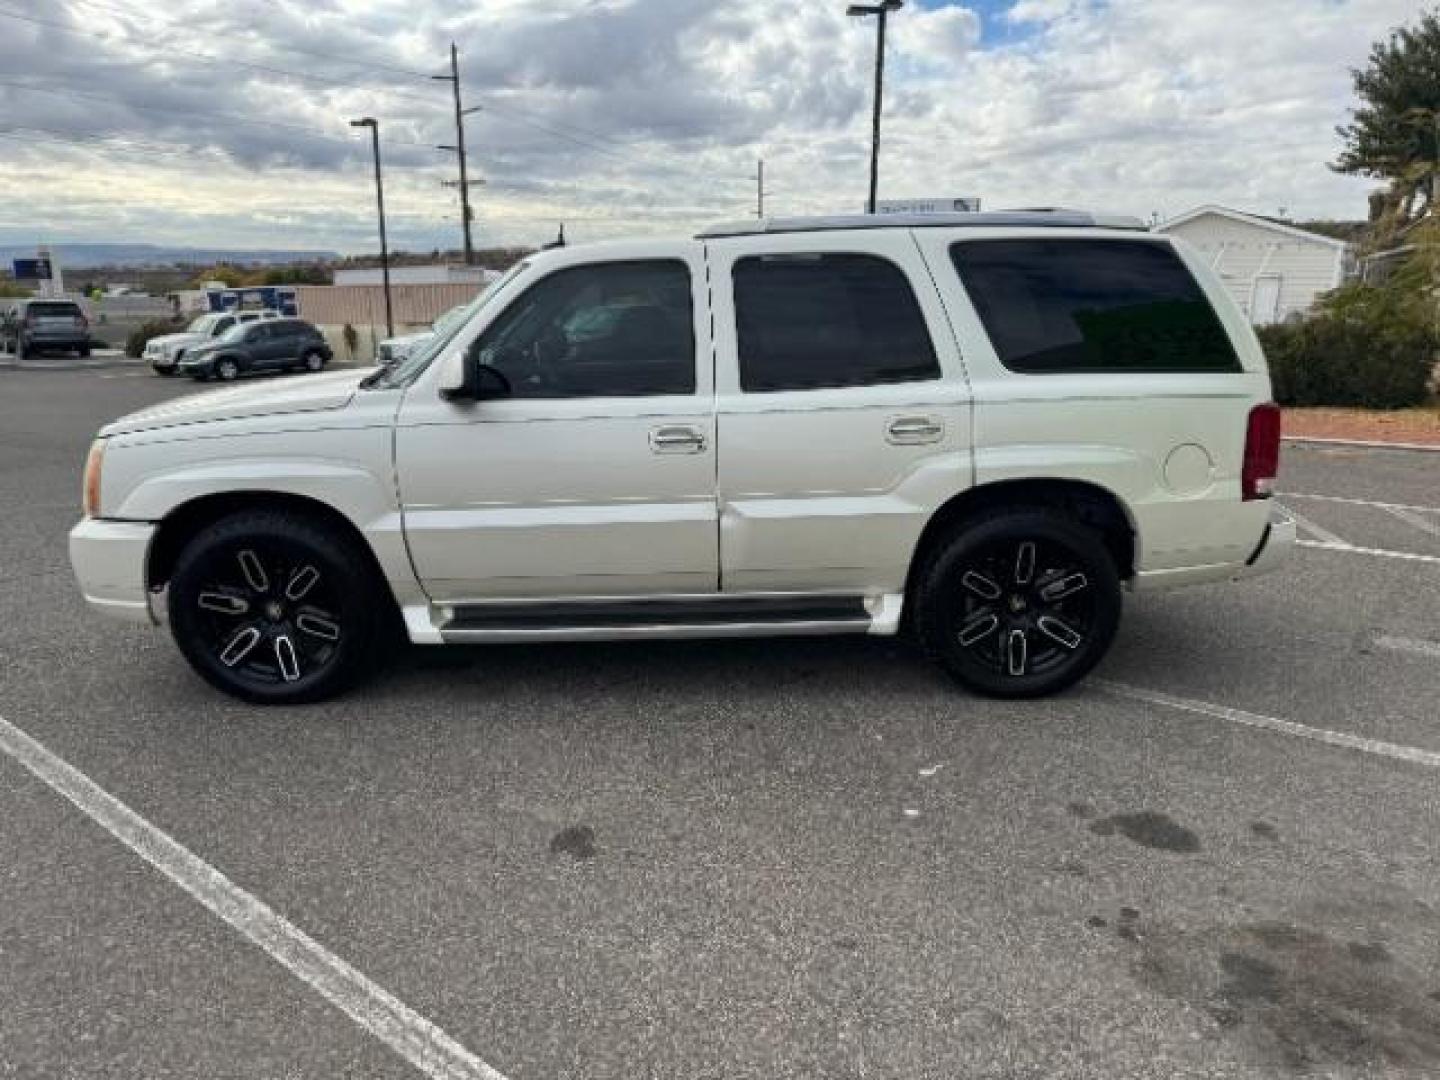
column 90, row 488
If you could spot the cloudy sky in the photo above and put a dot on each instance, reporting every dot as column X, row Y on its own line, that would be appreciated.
column 212, row 122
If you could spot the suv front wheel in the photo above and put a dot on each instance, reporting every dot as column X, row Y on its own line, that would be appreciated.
column 1019, row 603
column 275, row 609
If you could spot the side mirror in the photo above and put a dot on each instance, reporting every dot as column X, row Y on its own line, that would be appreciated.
column 465, row 378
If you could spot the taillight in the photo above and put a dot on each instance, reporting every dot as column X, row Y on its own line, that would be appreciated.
column 1262, row 452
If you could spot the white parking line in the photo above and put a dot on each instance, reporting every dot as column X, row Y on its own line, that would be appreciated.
column 1412, row 518
column 1382, row 553
column 1325, row 536
column 1409, row 645
column 1360, row 502
column 390, row 1020
column 1342, row 739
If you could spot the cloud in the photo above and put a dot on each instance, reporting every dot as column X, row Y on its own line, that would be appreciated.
column 636, row 116
column 940, row 36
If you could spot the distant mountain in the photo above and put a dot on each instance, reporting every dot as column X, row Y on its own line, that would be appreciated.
column 74, row 256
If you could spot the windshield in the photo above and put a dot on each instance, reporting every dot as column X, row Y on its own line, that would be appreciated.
column 235, row 333
column 408, row 369
column 205, row 324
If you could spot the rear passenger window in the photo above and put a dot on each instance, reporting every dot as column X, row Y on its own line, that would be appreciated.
column 1059, row 306
column 807, row 322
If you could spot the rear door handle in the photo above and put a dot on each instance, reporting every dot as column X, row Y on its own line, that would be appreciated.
column 676, row 439
column 907, row 430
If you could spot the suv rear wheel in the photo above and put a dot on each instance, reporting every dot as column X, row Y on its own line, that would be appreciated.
column 1019, row 603
column 313, row 360
column 274, row 609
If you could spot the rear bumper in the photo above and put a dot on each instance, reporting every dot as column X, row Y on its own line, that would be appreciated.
column 1275, row 545
column 1276, row 542
column 109, row 561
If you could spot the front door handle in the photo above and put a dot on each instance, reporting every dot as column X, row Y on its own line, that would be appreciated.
column 907, row 430
column 677, row 439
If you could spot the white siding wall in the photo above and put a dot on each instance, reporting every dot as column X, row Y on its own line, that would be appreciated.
column 1241, row 252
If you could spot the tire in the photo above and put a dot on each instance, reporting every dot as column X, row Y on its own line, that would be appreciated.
column 226, row 370
column 84, row 351
column 275, row 609
column 1019, row 603
column 313, row 361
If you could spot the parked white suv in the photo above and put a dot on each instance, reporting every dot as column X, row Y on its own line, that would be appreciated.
column 979, row 426
column 165, row 352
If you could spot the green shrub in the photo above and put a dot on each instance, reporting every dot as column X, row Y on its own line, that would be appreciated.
column 140, row 337
column 1365, row 347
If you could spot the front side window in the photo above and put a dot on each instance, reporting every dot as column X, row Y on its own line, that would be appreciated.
column 1063, row 306
column 606, row 330
column 813, row 321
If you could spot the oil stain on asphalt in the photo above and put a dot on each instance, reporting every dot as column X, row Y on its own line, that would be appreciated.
column 578, row 842
column 1152, row 829
column 1304, row 1000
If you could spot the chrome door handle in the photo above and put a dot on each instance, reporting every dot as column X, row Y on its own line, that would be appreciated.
column 914, row 429
column 677, row 440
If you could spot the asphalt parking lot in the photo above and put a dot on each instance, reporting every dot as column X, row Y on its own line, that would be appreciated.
column 743, row 859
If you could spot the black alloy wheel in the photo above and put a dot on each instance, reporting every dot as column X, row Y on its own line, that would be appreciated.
column 274, row 609
column 1020, row 603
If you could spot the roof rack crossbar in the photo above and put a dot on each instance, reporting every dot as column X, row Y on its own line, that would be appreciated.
column 1042, row 218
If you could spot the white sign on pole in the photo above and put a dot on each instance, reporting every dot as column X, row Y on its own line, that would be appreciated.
column 965, row 205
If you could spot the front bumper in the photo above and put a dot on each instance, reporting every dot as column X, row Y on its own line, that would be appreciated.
column 109, row 560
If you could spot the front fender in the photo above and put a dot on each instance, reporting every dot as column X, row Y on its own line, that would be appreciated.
column 349, row 471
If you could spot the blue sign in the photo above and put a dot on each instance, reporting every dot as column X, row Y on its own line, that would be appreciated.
column 32, row 270
column 279, row 298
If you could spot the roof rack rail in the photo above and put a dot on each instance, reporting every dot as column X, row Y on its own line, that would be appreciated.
column 1055, row 218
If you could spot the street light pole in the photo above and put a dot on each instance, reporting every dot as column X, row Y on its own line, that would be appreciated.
column 882, row 10
column 374, row 126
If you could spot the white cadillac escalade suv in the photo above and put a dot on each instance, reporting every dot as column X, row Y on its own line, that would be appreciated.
column 981, row 428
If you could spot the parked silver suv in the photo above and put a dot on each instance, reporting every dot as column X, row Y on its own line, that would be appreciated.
column 40, row 325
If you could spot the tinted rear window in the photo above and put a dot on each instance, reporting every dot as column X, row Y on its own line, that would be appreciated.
column 1059, row 306
column 828, row 320
column 54, row 309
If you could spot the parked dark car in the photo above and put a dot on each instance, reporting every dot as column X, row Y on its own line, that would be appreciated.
column 32, row 326
column 268, row 345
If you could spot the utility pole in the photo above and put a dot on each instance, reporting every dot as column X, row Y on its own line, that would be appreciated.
column 466, row 216
column 881, row 9
column 760, row 189
column 374, row 126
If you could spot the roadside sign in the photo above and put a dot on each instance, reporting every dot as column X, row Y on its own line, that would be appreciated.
column 948, row 205
column 32, row 270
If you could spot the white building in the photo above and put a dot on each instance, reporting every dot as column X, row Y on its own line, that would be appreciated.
column 1274, row 270
column 434, row 274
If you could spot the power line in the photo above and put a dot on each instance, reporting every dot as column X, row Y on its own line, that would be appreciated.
column 81, row 95
column 225, row 61
column 283, row 46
